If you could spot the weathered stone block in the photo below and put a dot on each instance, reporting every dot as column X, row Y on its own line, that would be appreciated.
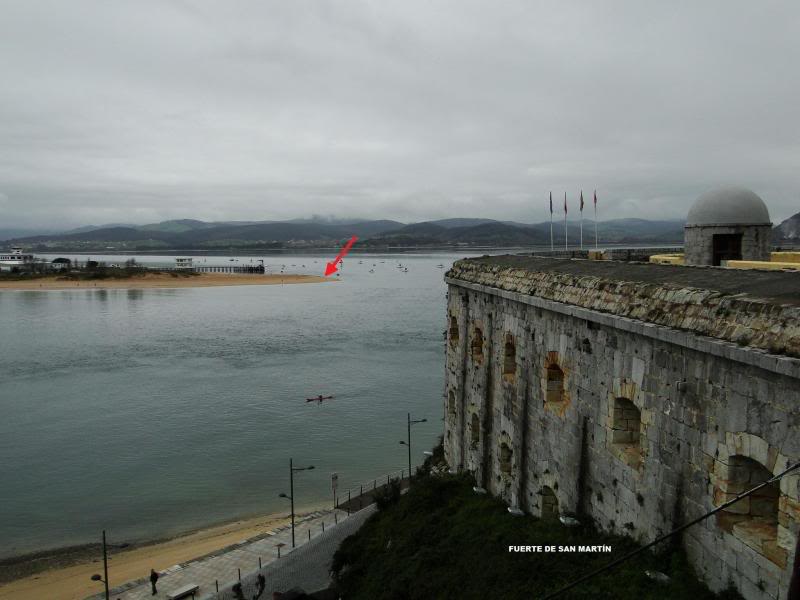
column 790, row 507
column 785, row 539
column 775, row 553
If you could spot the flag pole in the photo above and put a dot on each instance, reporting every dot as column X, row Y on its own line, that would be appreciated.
column 551, row 221
column 566, row 235
column 595, row 219
column 581, row 219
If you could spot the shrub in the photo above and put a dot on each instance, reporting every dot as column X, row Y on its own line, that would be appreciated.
column 388, row 495
column 441, row 540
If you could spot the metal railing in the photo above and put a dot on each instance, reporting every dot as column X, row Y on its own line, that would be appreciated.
column 357, row 493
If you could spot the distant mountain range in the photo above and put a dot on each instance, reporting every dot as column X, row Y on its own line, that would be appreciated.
column 508, row 233
column 10, row 233
column 789, row 230
column 190, row 234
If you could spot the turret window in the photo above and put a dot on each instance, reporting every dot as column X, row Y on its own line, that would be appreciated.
column 549, row 503
column 477, row 345
column 754, row 519
column 506, row 455
column 626, row 426
column 509, row 359
column 453, row 333
column 555, row 384
column 475, row 431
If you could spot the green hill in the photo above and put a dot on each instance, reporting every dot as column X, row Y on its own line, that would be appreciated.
column 441, row 540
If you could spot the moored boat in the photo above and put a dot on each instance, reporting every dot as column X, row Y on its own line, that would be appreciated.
column 17, row 258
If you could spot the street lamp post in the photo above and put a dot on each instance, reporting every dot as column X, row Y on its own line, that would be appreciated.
column 104, row 578
column 292, row 469
column 408, row 443
column 105, row 563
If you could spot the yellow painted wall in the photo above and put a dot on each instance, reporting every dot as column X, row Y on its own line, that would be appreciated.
column 597, row 255
column 785, row 257
column 778, row 261
column 667, row 259
column 763, row 265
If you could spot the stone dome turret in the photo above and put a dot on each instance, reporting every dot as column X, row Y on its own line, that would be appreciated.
column 728, row 206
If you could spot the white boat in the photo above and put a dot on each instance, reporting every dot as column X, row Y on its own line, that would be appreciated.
column 16, row 259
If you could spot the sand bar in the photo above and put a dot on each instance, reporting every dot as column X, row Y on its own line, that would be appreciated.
column 74, row 581
column 159, row 280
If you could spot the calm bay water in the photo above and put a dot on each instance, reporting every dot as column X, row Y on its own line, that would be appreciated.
column 151, row 412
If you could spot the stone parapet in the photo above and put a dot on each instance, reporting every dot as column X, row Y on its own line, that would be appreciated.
column 738, row 318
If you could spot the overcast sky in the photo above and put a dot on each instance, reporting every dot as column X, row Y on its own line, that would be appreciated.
column 141, row 111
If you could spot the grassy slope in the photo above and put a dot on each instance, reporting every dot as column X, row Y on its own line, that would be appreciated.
column 448, row 542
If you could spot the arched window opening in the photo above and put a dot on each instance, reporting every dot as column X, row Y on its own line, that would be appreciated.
column 555, row 384
column 506, row 454
column 477, row 345
column 475, row 431
column 451, row 402
column 453, row 331
column 626, row 431
column 753, row 520
column 510, row 358
column 549, row 503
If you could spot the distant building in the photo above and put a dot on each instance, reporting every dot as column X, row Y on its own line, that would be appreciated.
column 184, row 263
column 61, row 264
column 727, row 224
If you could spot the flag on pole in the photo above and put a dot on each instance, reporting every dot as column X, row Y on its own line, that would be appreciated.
column 551, row 221
column 595, row 219
column 551, row 203
column 581, row 219
column 566, row 243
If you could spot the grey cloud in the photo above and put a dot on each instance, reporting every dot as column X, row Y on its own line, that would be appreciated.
column 141, row 111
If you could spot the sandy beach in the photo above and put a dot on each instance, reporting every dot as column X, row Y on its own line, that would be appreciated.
column 160, row 280
column 74, row 581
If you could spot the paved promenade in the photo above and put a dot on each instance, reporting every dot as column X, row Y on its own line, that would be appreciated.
column 306, row 566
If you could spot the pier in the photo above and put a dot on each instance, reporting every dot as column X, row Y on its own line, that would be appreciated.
column 257, row 270
column 186, row 264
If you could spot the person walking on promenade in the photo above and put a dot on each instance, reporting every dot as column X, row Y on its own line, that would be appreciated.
column 261, row 585
column 237, row 591
column 153, row 580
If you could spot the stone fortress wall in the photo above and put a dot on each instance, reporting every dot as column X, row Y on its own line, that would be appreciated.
column 577, row 387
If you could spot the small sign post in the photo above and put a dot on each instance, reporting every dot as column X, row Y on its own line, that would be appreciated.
column 334, row 486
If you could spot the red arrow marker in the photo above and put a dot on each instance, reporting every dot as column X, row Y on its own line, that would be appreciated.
column 330, row 268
